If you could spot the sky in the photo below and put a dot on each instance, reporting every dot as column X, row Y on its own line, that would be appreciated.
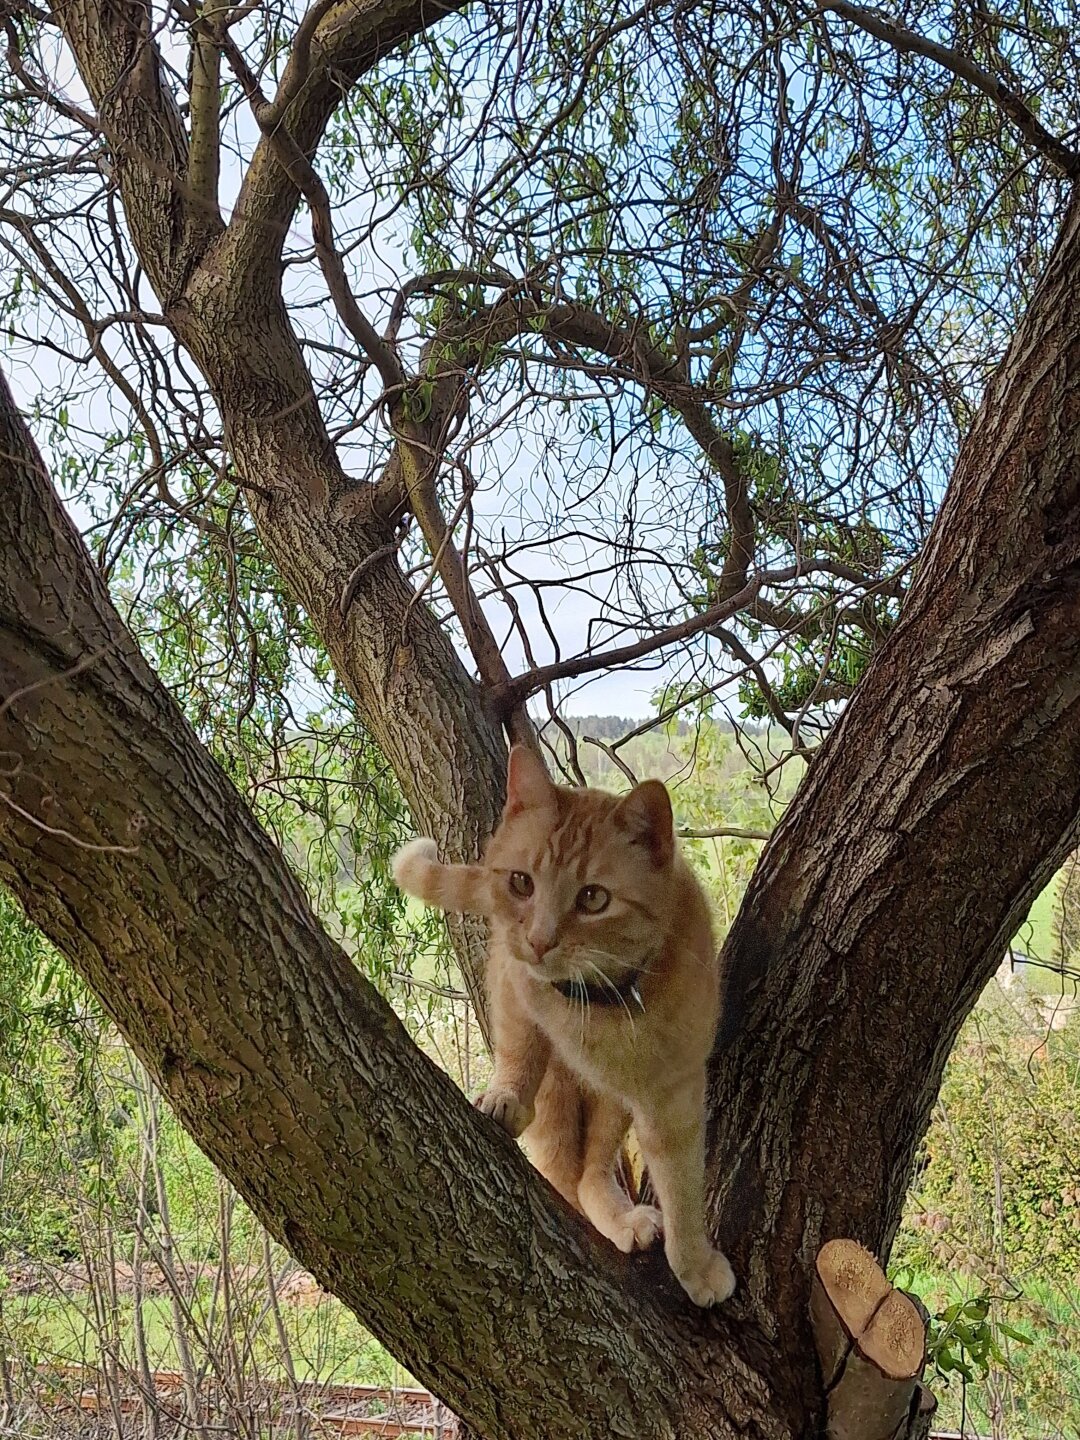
column 507, row 505
column 510, row 494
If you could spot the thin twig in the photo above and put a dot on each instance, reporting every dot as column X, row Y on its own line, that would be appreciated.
column 66, row 834
column 348, row 590
column 722, row 832
column 76, row 669
column 964, row 68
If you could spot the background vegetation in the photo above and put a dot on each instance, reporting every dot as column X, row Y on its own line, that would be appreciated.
column 121, row 1247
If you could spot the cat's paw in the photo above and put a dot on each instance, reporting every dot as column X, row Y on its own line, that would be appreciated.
column 405, row 863
column 636, row 1229
column 506, row 1110
column 708, row 1280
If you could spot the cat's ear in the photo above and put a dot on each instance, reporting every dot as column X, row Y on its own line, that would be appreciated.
column 645, row 815
column 527, row 783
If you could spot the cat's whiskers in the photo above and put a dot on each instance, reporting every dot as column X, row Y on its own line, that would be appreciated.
column 610, row 985
column 640, row 967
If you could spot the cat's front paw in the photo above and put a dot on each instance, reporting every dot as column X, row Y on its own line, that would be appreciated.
column 636, row 1229
column 409, row 858
column 708, row 1280
column 506, row 1109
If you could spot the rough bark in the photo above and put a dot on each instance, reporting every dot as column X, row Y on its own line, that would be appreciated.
column 937, row 810
column 131, row 850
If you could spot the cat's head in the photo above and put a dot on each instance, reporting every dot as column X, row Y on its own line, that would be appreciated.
column 581, row 879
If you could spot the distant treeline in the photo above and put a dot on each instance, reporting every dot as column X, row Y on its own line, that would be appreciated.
column 614, row 727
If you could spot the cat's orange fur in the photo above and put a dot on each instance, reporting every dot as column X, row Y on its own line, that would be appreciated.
column 571, row 1073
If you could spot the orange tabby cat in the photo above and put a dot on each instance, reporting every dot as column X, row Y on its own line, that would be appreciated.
column 603, row 981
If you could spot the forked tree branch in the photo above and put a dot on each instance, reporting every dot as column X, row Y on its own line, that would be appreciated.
column 285, row 1064
column 303, row 175
column 121, row 67
column 335, row 44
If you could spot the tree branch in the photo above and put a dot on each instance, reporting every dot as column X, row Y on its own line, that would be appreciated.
column 335, row 44
column 204, row 159
column 302, row 173
column 533, row 681
column 907, row 42
column 286, row 1065
column 723, row 832
column 121, row 66
column 523, row 309
column 961, row 740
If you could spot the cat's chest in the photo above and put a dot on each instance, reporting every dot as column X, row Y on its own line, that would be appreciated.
column 610, row 1049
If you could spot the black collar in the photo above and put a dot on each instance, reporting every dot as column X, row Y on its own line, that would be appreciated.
column 585, row 992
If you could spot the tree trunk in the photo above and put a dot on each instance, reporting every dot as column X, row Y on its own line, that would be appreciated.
column 396, row 660
column 936, row 811
column 220, row 288
column 132, row 851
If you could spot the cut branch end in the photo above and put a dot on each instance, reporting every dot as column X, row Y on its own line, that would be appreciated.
column 871, row 1340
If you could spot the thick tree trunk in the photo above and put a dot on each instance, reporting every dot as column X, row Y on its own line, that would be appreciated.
column 425, row 713
column 134, row 854
column 938, row 808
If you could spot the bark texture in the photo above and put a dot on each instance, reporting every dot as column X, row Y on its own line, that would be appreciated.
column 132, row 851
column 936, row 811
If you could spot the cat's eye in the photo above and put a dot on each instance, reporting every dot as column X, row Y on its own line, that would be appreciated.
column 521, row 884
column 592, row 899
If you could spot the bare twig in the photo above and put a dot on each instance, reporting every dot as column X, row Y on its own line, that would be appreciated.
column 908, row 42
column 66, row 834
column 722, row 832
column 348, row 593
column 76, row 669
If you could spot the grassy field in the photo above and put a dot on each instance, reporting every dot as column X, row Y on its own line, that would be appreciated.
column 326, row 1342
column 1039, row 1381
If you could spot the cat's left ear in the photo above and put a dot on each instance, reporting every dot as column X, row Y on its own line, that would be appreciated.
column 646, row 817
column 527, row 783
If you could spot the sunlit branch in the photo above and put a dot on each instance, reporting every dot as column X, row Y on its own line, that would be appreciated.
column 204, row 157
column 722, row 832
column 334, row 45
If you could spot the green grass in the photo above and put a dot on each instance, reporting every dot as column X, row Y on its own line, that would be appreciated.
column 327, row 1343
column 1038, row 935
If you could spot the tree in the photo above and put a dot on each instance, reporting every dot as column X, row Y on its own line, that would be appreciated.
column 642, row 261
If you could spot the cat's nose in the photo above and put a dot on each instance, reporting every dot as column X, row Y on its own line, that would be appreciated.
column 540, row 945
